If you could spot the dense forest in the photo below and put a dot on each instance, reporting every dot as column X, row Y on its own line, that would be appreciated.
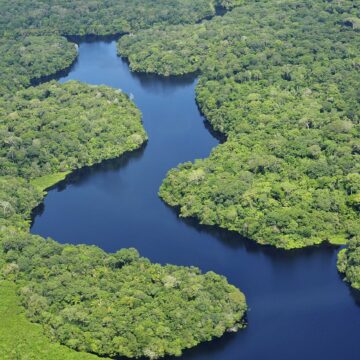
column 40, row 136
column 101, row 17
column 31, row 58
column 349, row 263
column 90, row 301
column 19, row 336
column 280, row 80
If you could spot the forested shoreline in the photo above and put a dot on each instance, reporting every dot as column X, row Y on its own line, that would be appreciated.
column 30, row 58
column 105, row 304
column 280, row 80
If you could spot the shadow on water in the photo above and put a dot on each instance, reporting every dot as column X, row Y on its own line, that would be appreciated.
column 78, row 39
column 234, row 240
column 220, row 137
column 219, row 11
column 203, row 350
column 80, row 176
column 59, row 74
column 355, row 294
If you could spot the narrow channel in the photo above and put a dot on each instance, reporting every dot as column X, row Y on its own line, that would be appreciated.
column 299, row 306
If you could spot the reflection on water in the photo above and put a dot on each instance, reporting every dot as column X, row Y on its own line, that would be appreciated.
column 299, row 306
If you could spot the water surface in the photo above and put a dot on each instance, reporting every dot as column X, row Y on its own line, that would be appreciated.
column 299, row 307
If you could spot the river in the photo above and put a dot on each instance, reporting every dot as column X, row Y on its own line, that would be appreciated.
column 299, row 306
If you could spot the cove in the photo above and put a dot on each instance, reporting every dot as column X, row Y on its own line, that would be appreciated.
column 299, row 306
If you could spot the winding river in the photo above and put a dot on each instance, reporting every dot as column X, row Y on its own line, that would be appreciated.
column 299, row 306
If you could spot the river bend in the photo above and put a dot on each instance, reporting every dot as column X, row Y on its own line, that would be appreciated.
column 299, row 306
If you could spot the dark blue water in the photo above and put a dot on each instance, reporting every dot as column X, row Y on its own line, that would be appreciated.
column 299, row 307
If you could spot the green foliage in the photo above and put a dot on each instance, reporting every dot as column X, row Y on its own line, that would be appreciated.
column 118, row 304
column 280, row 80
column 349, row 263
column 30, row 58
column 83, row 17
column 267, row 206
column 55, row 128
column 17, row 199
column 21, row 339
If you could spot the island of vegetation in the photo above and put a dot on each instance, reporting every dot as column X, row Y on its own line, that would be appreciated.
column 280, row 80
column 79, row 296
